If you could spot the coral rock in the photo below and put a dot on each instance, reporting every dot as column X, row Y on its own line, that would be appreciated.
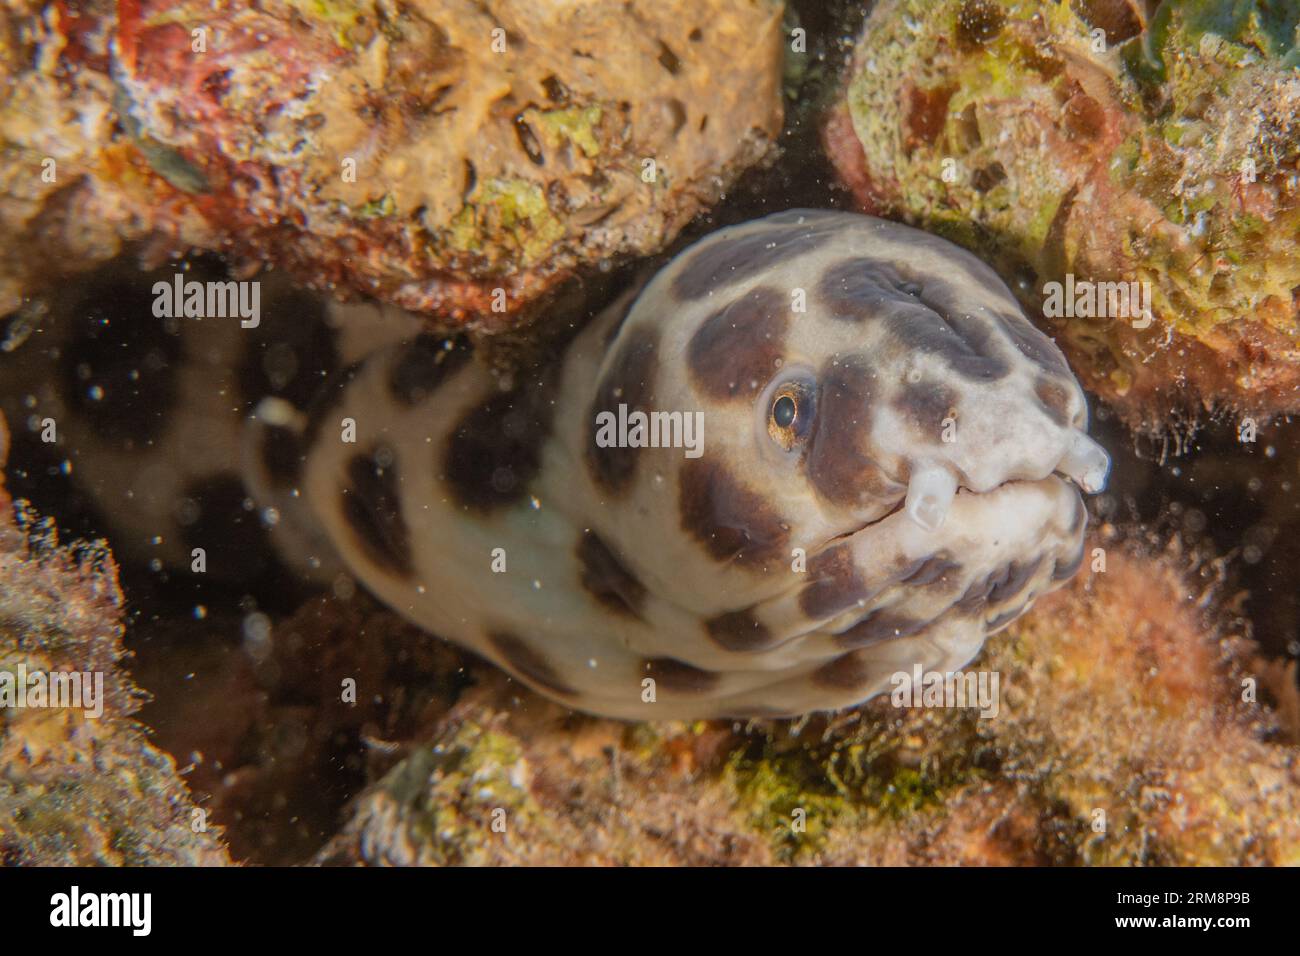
column 78, row 788
column 1082, row 139
column 426, row 153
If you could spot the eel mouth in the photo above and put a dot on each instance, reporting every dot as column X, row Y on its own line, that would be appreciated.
column 858, row 529
column 1016, row 524
column 932, row 486
column 959, row 491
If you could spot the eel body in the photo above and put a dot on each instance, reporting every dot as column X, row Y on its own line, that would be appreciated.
column 813, row 451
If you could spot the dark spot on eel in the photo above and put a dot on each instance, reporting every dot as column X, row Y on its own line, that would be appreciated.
column 876, row 627
column 328, row 402
column 731, row 259
column 835, row 584
column 372, row 508
column 1034, row 345
column 679, row 677
column 963, row 340
column 527, row 662
column 1063, row 572
column 1055, row 399
column 977, row 594
column 925, row 405
column 423, row 364
column 835, row 464
column 732, row 521
column 734, row 352
column 936, row 569
column 495, row 452
column 630, row 381
column 739, row 631
column 301, row 355
column 1017, row 576
column 846, row 672
column 606, row 578
column 862, row 289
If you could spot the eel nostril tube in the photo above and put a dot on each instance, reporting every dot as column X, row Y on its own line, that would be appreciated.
column 929, row 495
column 1085, row 463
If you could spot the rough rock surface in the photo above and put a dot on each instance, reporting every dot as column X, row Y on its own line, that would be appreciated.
column 425, row 153
column 73, row 189
column 78, row 789
column 1115, row 142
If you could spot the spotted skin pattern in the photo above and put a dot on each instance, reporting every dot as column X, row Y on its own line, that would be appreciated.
column 152, row 417
column 753, row 579
column 777, row 573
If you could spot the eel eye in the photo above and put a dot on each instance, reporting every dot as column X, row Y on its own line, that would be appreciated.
column 783, row 411
column 790, row 414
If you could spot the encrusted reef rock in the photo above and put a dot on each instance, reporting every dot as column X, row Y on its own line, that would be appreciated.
column 76, row 787
column 1104, row 141
column 73, row 189
column 1129, row 730
column 524, row 784
column 426, row 153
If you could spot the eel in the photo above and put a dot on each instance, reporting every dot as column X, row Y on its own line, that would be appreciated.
column 812, row 451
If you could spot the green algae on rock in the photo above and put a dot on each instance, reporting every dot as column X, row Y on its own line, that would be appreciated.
column 1087, row 142
column 515, row 782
